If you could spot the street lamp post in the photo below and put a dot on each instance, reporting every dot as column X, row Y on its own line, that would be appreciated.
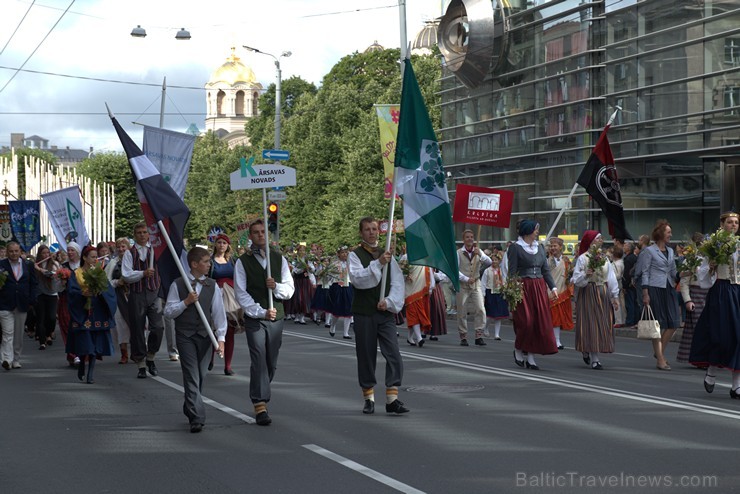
column 277, row 110
column 277, row 88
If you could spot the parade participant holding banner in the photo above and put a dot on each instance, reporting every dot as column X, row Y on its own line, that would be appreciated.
column 192, row 335
column 263, row 322
column 470, row 298
column 139, row 270
column 561, row 307
column 532, row 318
column 374, row 320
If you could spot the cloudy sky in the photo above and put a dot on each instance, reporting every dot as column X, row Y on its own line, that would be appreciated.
column 92, row 40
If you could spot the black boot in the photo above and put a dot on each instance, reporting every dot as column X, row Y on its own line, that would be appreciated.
column 81, row 369
column 90, row 368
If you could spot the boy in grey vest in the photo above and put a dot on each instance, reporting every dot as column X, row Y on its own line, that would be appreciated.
column 190, row 332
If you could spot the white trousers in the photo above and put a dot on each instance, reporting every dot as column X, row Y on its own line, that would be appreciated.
column 12, row 323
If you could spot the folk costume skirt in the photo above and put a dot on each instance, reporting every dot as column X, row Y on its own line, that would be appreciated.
column 320, row 301
column 699, row 297
column 717, row 333
column 340, row 300
column 438, row 311
column 496, row 306
column 532, row 320
column 594, row 320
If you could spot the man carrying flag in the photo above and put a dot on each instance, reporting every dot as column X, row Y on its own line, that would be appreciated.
column 599, row 178
column 158, row 203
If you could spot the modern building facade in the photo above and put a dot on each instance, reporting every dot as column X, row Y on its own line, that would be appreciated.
column 528, row 86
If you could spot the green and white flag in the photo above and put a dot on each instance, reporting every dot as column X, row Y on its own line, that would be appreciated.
column 421, row 182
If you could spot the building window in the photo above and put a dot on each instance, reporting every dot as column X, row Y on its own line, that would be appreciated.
column 732, row 51
column 220, row 103
column 732, row 100
column 240, row 103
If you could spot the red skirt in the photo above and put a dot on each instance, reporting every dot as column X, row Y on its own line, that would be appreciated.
column 533, row 321
column 438, row 311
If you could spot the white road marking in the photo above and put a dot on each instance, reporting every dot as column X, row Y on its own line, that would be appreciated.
column 208, row 401
column 377, row 476
column 565, row 383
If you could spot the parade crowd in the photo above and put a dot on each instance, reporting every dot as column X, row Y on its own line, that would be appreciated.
column 108, row 300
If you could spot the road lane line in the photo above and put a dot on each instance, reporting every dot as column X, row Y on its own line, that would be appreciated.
column 565, row 383
column 218, row 406
column 377, row 476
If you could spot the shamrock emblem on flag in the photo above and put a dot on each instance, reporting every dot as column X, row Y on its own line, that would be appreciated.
column 431, row 166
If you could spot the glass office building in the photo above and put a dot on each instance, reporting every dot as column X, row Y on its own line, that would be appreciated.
column 528, row 86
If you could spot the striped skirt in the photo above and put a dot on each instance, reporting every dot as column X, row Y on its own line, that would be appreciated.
column 594, row 320
column 699, row 297
column 438, row 312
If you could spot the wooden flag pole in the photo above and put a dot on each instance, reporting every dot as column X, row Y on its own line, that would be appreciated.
column 267, row 248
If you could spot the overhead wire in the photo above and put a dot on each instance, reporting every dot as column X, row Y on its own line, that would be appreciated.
column 37, row 46
column 17, row 27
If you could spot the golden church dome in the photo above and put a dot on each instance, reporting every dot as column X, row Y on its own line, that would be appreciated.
column 232, row 72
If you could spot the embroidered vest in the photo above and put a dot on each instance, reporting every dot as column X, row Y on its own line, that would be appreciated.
column 469, row 267
column 151, row 284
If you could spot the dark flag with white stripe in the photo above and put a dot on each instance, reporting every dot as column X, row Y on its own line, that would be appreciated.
column 599, row 178
column 159, row 202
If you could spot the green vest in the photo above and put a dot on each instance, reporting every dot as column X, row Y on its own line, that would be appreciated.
column 257, row 276
column 365, row 302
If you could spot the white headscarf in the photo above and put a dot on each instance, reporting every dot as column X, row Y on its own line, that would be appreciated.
column 75, row 246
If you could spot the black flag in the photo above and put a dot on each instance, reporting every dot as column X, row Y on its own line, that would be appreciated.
column 599, row 178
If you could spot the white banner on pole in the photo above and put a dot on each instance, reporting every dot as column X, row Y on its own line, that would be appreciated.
column 64, row 209
column 170, row 152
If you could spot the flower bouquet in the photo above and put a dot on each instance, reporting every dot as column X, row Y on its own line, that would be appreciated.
column 3, row 278
column 96, row 282
column 596, row 261
column 328, row 271
column 513, row 292
column 719, row 247
column 691, row 260
column 405, row 268
column 63, row 274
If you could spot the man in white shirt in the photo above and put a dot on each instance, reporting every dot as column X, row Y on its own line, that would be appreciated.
column 191, row 334
column 470, row 297
column 139, row 270
column 263, row 317
column 374, row 320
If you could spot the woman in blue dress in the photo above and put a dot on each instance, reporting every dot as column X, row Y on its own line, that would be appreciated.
column 89, row 328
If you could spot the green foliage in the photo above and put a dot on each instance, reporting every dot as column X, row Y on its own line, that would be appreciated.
column 208, row 193
column 114, row 169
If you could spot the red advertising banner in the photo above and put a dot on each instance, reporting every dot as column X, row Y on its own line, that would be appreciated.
column 482, row 206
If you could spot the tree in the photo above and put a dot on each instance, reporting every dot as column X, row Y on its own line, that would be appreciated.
column 261, row 128
column 333, row 139
column 114, row 169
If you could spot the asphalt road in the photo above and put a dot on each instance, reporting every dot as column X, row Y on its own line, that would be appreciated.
column 478, row 424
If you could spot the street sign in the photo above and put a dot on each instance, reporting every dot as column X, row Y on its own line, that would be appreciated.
column 275, row 154
column 250, row 176
column 274, row 195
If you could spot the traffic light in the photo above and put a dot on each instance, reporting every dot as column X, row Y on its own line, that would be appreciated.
column 272, row 216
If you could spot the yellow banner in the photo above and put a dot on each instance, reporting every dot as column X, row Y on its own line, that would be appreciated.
column 388, row 123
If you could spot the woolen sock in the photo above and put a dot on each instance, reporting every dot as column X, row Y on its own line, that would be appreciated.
column 556, row 330
column 391, row 394
column 519, row 354
column 530, row 359
column 260, row 407
column 368, row 394
column 345, row 325
column 328, row 318
column 594, row 357
column 497, row 328
column 416, row 328
column 333, row 326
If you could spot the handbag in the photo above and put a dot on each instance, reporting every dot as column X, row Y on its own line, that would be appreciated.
column 648, row 328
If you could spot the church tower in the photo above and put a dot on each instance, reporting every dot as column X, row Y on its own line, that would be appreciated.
column 232, row 97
